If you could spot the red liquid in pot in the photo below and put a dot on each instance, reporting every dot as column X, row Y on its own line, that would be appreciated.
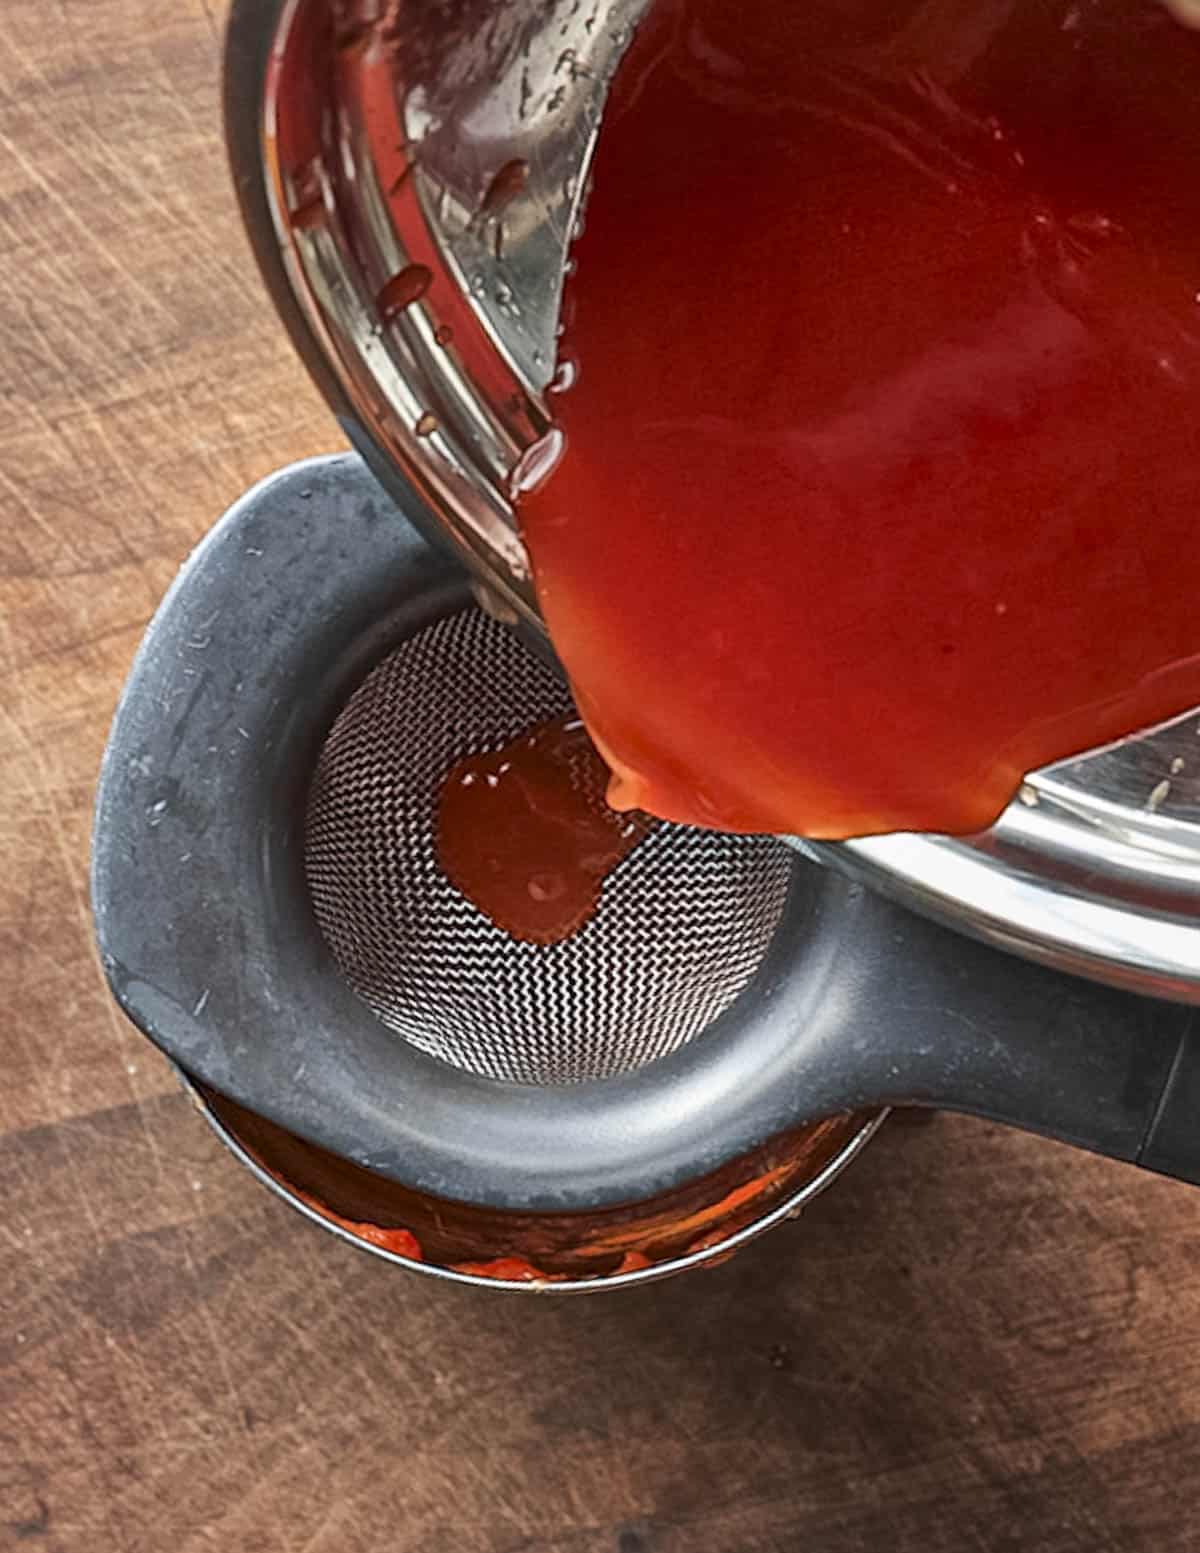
column 882, row 472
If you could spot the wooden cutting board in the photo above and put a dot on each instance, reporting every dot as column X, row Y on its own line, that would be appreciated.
column 976, row 1341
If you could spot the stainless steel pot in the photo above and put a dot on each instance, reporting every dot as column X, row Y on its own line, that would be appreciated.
column 451, row 144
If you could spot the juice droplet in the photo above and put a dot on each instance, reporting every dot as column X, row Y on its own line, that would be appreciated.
column 564, row 376
column 443, row 334
column 407, row 286
column 536, row 463
column 504, row 187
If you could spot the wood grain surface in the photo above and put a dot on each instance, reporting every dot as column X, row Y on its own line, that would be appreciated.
column 975, row 1341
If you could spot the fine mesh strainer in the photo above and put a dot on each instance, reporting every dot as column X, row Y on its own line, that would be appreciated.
column 682, row 926
column 697, row 1061
column 288, row 816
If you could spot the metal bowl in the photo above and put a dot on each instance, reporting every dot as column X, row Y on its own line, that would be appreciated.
column 411, row 181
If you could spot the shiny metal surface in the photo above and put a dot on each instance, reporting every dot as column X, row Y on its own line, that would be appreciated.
column 681, row 927
column 450, row 146
column 1095, row 868
column 457, row 141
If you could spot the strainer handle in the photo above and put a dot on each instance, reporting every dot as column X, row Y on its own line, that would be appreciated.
column 210, row 944
column 962, row 1026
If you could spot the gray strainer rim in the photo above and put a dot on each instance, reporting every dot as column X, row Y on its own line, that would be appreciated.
column 305, row 583
column 679, row 931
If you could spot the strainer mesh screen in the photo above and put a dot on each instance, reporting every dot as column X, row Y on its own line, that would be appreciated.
column 682, row 925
